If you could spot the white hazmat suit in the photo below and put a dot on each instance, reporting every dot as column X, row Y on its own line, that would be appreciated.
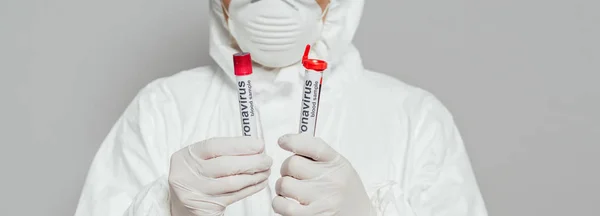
column 400, row 141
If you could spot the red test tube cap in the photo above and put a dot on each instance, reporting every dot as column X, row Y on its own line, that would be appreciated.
column 242, row 64
column 313, row 64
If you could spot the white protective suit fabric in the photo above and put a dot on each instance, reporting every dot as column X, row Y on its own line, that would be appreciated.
column 401, row 141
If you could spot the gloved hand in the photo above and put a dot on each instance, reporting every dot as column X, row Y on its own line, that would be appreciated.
column 321, row 180
column 208, row 176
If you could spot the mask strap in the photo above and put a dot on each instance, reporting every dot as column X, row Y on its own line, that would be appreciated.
column 225, row 10
column 321, row 18
column 325, row 11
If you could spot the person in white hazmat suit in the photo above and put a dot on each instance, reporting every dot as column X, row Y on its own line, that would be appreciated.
column 382, row 147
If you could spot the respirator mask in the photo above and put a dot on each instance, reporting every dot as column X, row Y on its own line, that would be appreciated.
column 275, row 32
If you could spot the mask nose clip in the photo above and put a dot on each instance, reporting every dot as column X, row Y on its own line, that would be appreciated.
column 325, row 11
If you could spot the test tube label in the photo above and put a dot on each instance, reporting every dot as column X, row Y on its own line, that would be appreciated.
column 310, row 102
column 247, row 112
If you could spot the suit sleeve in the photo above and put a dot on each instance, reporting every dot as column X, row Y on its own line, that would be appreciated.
column 439, row 178
column 128, row 175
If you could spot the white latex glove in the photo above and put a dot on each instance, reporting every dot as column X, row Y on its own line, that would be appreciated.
column 208, row 176
column 322, row 181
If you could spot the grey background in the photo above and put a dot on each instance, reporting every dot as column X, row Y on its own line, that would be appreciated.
column 520, row 77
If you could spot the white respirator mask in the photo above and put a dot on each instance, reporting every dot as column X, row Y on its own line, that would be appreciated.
column 275, row 32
